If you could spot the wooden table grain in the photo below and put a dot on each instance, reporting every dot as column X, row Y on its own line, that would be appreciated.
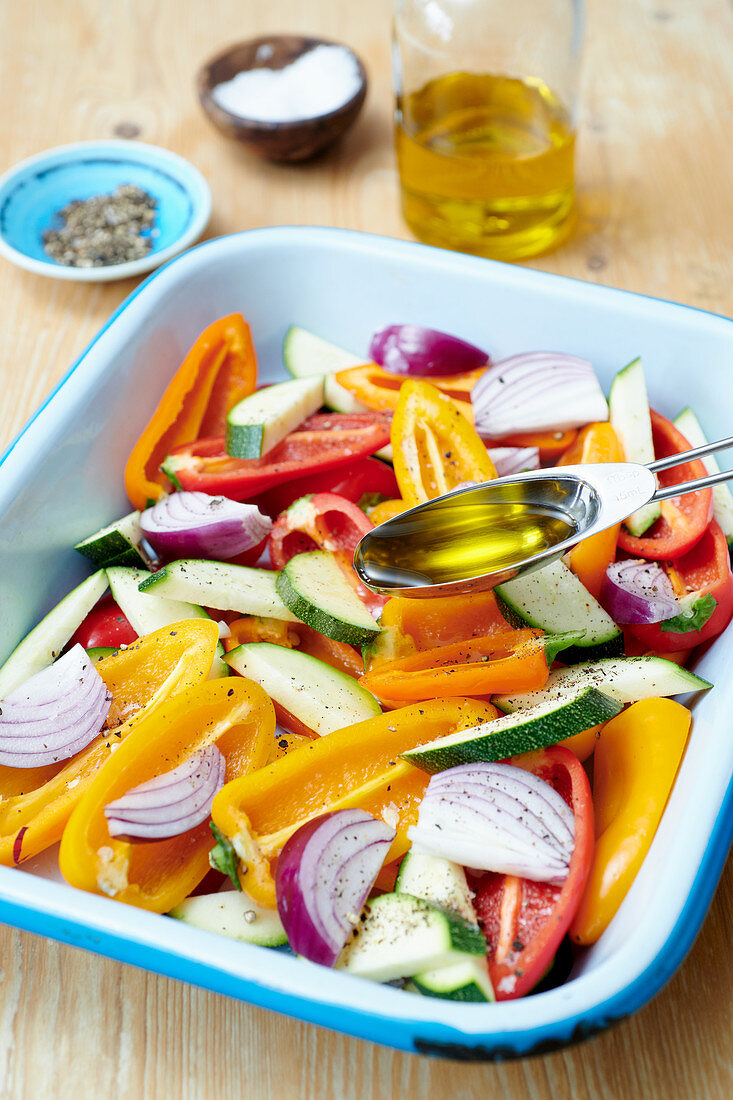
column 656, row 216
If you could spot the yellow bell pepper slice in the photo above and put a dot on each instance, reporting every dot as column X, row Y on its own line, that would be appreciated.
column 35, row 803
column 435, row 447
column 234, row 714
column 636, row 760
column 355, row 766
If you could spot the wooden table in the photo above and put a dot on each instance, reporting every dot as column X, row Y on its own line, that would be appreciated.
column 656, row 216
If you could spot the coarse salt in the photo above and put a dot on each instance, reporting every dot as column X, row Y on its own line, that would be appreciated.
column 315, row 84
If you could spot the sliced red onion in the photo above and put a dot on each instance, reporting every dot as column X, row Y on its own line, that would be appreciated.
column 497, row 817
column 324, row 875
column 537, row 392
column 514, row 460
column 638, row 591
column 415, row 350
column 196, row 525
column 55, row 714
column 171, row 803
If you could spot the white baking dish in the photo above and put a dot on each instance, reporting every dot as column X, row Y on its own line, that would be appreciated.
column 62, row 478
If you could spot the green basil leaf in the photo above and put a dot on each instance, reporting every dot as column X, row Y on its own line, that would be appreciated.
column 223, row 857
column 694, row 618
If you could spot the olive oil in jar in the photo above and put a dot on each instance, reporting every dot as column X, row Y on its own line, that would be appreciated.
column 463, row 536
column 486, row 164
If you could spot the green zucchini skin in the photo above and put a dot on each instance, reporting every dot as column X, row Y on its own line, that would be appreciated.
column 513, row 734
column 314, row 589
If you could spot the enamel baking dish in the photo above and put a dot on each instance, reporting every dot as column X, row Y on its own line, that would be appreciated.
column 62, row 479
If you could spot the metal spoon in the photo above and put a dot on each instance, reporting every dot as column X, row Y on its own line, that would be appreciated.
column 450, row 545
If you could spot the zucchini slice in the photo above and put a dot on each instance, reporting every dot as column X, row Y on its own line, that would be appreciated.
column 41, row 647
column 320, row 696
column 544, row 724
column 317, row 592
column 553, row 599
column 117, row 544
column 400, row 936
column 259, row 422
column 437, row 880
column 442, row 882
column 628, row 407
column 467, row 981
column 219, row 584
column 232, row 913
column 625, row 679
column 148, row 611
column 306, row 355
column 98, row 653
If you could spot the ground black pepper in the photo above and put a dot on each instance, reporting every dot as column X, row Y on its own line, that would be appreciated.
column 104, row 229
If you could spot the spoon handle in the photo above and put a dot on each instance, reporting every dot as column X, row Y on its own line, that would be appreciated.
column 691, row 486
column 687, row 456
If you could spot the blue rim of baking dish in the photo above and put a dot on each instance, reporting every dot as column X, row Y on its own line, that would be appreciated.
column 419, row 1036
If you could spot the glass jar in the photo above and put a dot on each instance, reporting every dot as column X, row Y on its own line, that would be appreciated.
column 486, row 96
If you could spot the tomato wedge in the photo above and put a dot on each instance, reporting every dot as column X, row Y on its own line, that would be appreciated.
column 524, row 921
column 105, row 626
column 685, row 518
column 324, row 441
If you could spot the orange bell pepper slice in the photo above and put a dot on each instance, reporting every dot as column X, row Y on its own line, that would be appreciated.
column 380, row 389
column 551, row 445
column 355, row 766
column 236, row 716
column 590, row 559
column 258, row 628
column 35, row 803
column 435, row 447
column 475, row 666
column 218, row 372
column 423, row 624
column 387, row 509
column 338, row 655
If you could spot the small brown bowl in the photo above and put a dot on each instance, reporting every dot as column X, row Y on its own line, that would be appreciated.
column 280, row 141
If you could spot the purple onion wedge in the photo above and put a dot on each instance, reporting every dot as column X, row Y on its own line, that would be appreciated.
column 637, row 591
column 55, row 714
column 324, row 875
column 423, row 352
column 171, row 803
column 497, row 817
column 535, row 392
column 196, row 525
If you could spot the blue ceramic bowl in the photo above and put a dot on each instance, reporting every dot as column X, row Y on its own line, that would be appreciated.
column 32, row 193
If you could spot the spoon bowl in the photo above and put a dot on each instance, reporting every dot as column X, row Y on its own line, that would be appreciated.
column 477, row 537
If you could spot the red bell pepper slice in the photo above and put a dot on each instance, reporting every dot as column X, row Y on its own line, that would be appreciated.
column 524, row 921
column 321, row 521
column 104, row 626
column 704, row 570
column 684, row 518
column 324, row 441
column 324, row 521
column 364, row 476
